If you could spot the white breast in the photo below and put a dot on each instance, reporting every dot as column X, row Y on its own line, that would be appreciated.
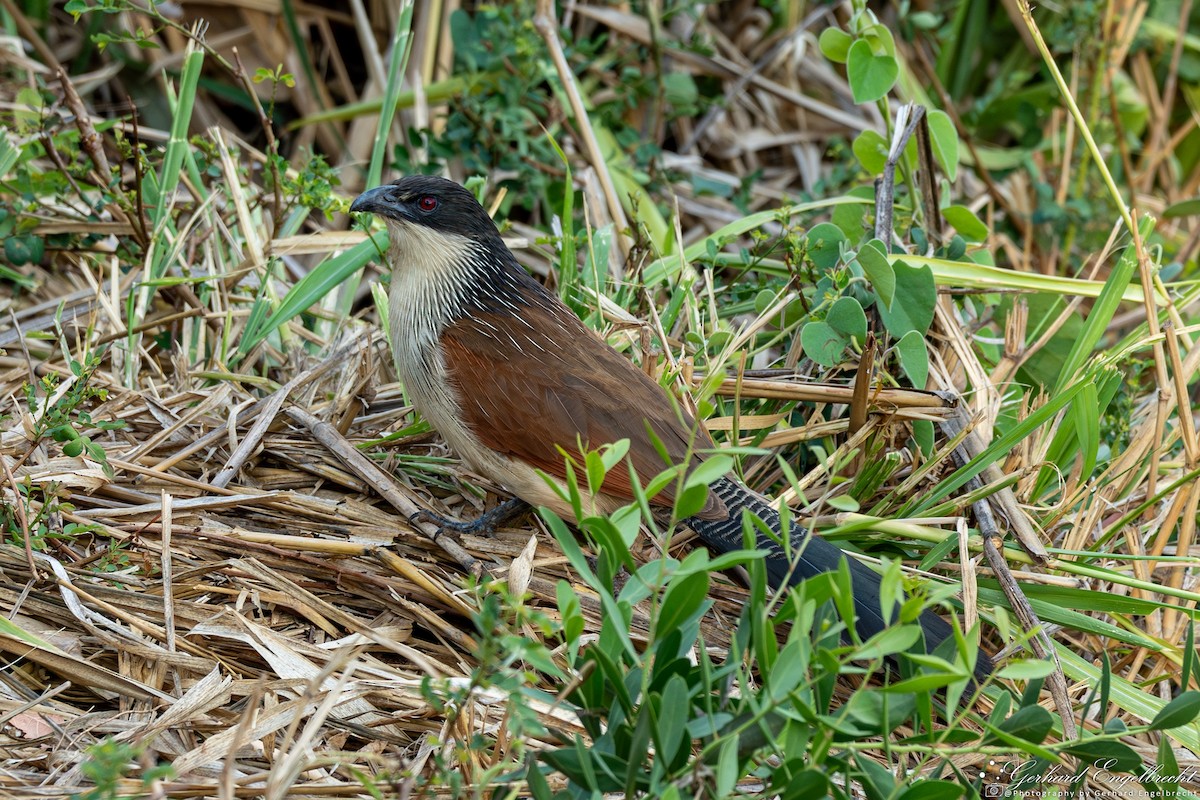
column 426, row 285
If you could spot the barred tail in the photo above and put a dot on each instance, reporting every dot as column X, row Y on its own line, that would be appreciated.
column 816, row 556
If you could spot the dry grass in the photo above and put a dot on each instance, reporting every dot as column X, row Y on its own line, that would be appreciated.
column 244, row 595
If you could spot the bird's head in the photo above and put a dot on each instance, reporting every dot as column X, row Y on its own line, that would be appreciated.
column 428, row 202
column 445, row 253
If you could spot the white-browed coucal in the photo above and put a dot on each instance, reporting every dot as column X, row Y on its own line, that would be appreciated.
column 511, row 378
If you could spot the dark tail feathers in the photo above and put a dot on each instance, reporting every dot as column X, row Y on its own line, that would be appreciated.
column 818, row 556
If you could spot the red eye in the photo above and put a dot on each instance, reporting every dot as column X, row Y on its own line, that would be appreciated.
column 427, row 203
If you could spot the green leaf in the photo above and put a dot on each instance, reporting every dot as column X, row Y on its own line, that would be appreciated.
column 401, row 48
column 966, row 223
column 690, row 501
column 789, row 670
column 896, row 639
column 1189, row 656
column 570, row 611
column 1168, row 765
column 872, row 257
column 822, row 343
column 844, row 502
column 1030, row 724
column 933, row 790
column 922, row 430
column 912, row 310
column 851, row 220
column 672, row 720
column 322, row 280
column 682, row 601
column 871, row 150
column 17, row 251
column 727, row 773
column 879, row 36
column 944, row 140
column 835, row 44
column 877, row 781
column 1087, row 415
column 1183, row 710
column 923, row 683
column 9, row 155
column 847, row 317
column 539, row 788
column 914, row 358
column 1119, row 757
column 806, row 783
column 709, row 470
column 1184, row 208
column 594, row 468
column 1026, row 670
column 871, row 76
column 1103, row 309
column 825, row 245
column 614, row 454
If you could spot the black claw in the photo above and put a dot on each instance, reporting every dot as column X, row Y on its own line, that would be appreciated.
column 484, row 524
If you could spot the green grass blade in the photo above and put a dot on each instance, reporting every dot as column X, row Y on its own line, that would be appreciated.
column 324, row 278
column 1104, row 308
column 995, row 451
column 387, row 112
column 667, row 267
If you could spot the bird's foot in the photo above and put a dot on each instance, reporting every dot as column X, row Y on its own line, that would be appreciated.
column 484, row 524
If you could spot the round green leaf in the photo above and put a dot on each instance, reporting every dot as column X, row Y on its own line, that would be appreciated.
column 825, row 245
column 912, row 310
column 16, row 250
column 850, row 218
column 880, row 39
column 1116, row 725
column 681, row 91
column 822, row 343
column 846, row 316
column 871, row 150
column 914, row 359
column 871, row 76
column 835, row 43
column 966, row 223
column 37, row 249
column 944, row 140
column 925, row 20
column 873, row 258
column 764, row 300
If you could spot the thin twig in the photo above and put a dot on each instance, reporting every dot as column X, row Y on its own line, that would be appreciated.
column 363, row 467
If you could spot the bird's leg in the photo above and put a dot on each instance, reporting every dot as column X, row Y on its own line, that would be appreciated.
column 486, row 523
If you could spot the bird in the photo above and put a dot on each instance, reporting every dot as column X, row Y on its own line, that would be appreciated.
column 512, row 379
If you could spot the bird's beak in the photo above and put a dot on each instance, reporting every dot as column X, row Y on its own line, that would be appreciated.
column 375, row 201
